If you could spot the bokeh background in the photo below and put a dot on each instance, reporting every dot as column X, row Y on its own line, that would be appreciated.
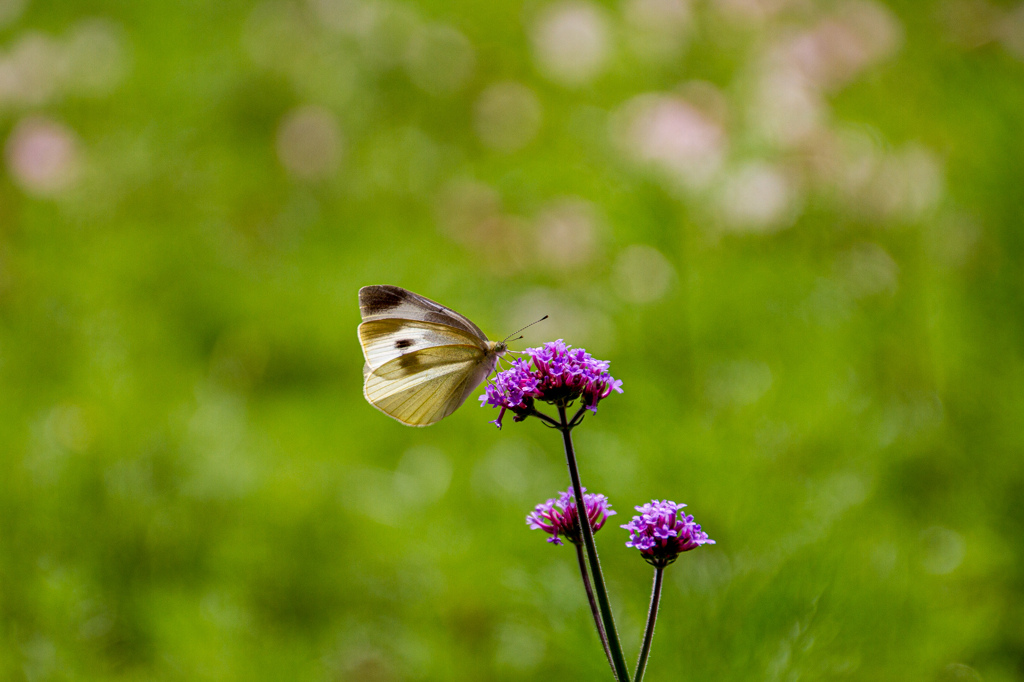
column 794, row 227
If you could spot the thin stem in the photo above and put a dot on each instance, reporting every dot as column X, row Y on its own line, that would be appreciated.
column 593, row 604
column 544, row 418
column 578, row 417
column 618, row 662
column 652, row 616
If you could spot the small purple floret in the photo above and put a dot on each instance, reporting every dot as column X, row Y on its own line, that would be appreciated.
column 558, row 374
column 661, row 532
column 558, row 516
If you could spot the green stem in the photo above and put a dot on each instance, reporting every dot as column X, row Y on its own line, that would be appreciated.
column 618, row 662
column 593, row 604
column 652, row 616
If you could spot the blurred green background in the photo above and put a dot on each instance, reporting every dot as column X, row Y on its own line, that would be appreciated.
column 794, row 227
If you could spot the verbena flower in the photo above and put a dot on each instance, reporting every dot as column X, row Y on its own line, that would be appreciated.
column 558, row 516
column 558, row 374
column 661, row 532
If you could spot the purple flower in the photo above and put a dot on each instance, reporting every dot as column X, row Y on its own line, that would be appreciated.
column 661, row 532
column 559, row 374
column 558, row 517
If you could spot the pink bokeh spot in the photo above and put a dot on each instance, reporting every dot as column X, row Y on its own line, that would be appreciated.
column 675, row 136
column 43, row 156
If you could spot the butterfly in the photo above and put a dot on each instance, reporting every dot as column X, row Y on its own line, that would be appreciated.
column 422, row 359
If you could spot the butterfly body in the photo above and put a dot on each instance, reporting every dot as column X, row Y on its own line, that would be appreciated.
column 422, row 359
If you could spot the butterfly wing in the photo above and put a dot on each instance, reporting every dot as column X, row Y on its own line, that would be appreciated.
column 383, row 301
column 422, row 387
column 386, row 339
column 422, row 359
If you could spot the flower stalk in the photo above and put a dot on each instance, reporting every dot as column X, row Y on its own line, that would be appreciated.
column 593, row 604
column 652, row 617
column 614, row 647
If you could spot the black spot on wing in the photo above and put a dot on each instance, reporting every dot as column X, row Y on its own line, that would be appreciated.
column 404, row 343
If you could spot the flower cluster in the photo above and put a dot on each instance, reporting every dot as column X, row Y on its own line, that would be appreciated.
column 661, row 532
column 559, row 375
column 558, row 516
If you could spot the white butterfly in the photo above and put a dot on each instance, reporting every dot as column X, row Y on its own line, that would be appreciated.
column 422, row 360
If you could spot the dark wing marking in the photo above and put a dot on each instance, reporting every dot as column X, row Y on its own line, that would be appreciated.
column 383, row 301
column 387, row 338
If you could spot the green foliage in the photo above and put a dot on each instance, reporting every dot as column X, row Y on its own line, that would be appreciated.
column 814, row 302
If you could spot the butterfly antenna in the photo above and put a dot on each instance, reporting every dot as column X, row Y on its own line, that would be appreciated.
column 507, row 338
